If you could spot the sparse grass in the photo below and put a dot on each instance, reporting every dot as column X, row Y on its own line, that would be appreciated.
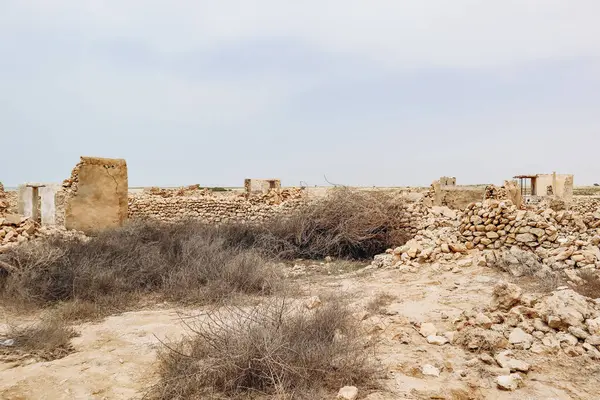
column 276, row 350
column 46, row 340
column 181, row 262
column 590, row 285
column 379, row 302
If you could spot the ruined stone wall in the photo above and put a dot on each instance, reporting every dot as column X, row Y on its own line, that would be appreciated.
column 210, row 208
column 96, row 195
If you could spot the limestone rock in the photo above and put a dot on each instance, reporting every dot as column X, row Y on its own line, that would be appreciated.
column 565, row 308
column 505, row 296
column 430, row 370
column 348, row 393
column 427, row 329
column 519, row 336
column 505, row 361
column 509, row 382
column 437, row 340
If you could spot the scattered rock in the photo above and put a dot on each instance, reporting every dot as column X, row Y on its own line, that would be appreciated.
column 505, row 361
column 427, row 329
column 430, row 370
column 437, row 340
column 509, row 382
column 348, row 393
column 519, row 336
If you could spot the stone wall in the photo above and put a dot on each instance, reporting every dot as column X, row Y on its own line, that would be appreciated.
column 455, row 197
column 96, row 195
column 207, row 207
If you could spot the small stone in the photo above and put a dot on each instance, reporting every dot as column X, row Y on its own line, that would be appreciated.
column 437, row 340
column 594, row 340
column 509, row 382
column 487, row 359
column 492, row 235
column 348, row 393
column 525, row 238
column 313, row 302
column 450, row 335
column 428, row 329
column 483, row 321
column 578, row 332
column 519, row 336
column 430, row 370
column 505, row 361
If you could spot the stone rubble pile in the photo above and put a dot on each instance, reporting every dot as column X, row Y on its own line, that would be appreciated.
column 16, row 229
column 436, row 238
column 562, row 321
column 585, row 205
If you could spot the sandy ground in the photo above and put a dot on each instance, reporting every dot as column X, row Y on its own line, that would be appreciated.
column 115, row 358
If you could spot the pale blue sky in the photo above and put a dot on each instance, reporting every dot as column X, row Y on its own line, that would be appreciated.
column 378, row 92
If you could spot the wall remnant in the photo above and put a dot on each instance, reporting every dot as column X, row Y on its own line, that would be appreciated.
column 4, row 204
column 447, row 181
column 96, row 195
column 261, row 185
column 37, row 201
column 546, row 185
column 445, row 192
column 211, row 208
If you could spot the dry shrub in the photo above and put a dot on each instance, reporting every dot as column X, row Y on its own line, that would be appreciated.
column 185, row 261
column 48, row 339
column 379, row 302
column 275, row 349
column 350, row 224
column 590, row 284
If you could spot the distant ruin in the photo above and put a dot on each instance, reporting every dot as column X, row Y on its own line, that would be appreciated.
column 261, row 185
column 534, row 187
column 445, row 192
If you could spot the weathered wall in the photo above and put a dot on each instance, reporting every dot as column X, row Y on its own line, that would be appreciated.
column 96, row 195
column 456, row 197
column 562, row 187
column 207, row 207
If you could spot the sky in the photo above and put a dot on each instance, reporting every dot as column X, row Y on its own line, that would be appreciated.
column 378, row 92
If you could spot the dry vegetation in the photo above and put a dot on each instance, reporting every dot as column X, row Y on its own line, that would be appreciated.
column 275, row 349
column 379, row 302
column 589, row 285
column 46, row 340
column 190, row 261
column 182, row 262
column 347, row 224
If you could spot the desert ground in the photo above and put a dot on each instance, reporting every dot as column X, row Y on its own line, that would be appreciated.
column 458, row 307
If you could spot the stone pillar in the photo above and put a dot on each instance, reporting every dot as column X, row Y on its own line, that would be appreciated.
column 554, row 191
column 568, row 189
column 35, row 204
column 25, row 201
column 437, row 193
column 48, row 196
